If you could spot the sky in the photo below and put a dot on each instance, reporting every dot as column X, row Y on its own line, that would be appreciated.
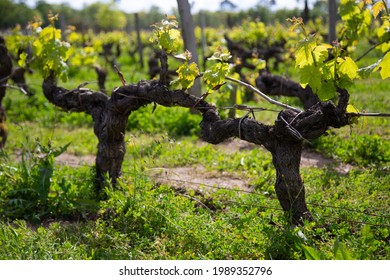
column 132, row 6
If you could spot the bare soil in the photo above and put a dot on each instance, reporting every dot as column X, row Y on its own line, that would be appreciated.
column 198, row 178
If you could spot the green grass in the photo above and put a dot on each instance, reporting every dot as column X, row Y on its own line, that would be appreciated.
column 51, row 211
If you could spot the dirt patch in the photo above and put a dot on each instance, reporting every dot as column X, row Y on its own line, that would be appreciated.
column 308, row 158
column 313, row 159
column 234, row 145
column 198, row 178
column 73, row 160
column 67, row 159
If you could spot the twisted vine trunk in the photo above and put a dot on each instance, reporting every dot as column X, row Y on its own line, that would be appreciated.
column 110, row 120
column 5, row 74
column 283, row 139
column 289, row 187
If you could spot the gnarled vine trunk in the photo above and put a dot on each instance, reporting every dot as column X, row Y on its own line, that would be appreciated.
column 289, row 188
column 5, row 74
column 283, row 139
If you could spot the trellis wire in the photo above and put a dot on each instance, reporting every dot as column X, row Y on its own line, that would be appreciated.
column 382, row 216
column 385, row 216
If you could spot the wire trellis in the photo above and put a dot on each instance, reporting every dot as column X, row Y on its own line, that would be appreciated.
column 368, row 212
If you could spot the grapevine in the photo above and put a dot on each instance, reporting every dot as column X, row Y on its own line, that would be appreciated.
column 328, row 69
column 50, row 51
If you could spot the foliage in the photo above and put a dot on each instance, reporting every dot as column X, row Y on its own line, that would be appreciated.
column 187, row 72
column 214, row 77
column 17, row 44
column 324, row 67
column 33, row 193
column 166, row 35
column 14, row 13
column 51, row 53
column 109, row 17
column 359, row 149
column 322, row 75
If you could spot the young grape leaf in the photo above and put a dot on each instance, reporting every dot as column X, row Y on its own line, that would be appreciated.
column 221, row 54
column 215, row 77
column 377, row 8
column 347, row 67
column 352, row 109
column 320, row 52
column 327, row 90
column 303, row 55
column 384, row 66
column 310, row 75
column 168, row 40
column 187, row 73
column 309, row 52
column 23, row 60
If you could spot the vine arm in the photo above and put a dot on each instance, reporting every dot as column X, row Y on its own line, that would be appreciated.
column 263, row 95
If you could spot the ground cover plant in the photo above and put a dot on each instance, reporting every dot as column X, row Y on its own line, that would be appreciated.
column 147, row 219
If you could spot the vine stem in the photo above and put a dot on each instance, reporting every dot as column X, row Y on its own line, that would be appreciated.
column 263, row 95
column 368, row 114
column 369, row 50
column 14, row 87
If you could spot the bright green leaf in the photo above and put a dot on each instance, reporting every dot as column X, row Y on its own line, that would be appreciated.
column 348, row 67
column 377, row 8
column 384, row 66
column 303, row 55
column 311, row 76
column 22, row 60
column 310, row 252
column 187, row 73
column 215, row 76
column 320, row 52
column 327, row 91
column 340, row 251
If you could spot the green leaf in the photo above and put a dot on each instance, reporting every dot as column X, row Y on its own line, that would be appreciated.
column 310, row 252
column 377, row 8
column 320, row 52
column 309, row 52
column 22, row 60
column 340, row 251
column 215, row 77
column 310, row 75
column 327, row 91
column 187, row 74
column 222, row 54
column 303, row 55
column 384, row 66
column 347, row 67
column 168, row 40
column 51, row 52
